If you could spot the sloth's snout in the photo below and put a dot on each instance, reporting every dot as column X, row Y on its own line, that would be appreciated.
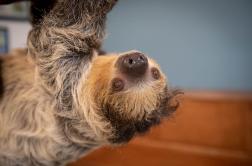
column 133, row 64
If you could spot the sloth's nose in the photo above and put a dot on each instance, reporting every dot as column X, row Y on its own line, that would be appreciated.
column 133, row 64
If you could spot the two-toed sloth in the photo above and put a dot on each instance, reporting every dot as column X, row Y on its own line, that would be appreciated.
column 60, row 99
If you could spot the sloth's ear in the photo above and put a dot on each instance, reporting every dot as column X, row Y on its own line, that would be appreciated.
column 39, row 9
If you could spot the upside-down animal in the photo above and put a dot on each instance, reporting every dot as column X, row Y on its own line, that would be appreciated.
column 60, row 99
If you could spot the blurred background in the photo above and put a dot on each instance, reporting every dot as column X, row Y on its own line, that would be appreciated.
column 205, row 48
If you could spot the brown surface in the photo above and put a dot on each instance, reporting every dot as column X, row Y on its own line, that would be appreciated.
column 210, row 128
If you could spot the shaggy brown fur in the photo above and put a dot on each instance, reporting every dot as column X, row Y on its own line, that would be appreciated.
column 60, row 100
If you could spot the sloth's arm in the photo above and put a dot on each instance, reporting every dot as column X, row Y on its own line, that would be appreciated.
column 71, row 31
column 63, row 43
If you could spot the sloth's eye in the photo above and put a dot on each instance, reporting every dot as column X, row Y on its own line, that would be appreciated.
column 155, row 73
column 117, row 84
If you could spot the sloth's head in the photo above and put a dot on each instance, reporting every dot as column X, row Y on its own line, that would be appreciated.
column 125, row 95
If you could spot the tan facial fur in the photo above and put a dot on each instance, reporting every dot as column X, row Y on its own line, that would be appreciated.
column 135, row 102
column 135, row 96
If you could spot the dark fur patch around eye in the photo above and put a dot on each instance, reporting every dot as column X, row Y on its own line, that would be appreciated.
column 155, row 73
column 117, row 84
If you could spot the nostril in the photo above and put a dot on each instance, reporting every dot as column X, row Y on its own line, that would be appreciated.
column 141, row 58
column 131, row 61
column 138, row 60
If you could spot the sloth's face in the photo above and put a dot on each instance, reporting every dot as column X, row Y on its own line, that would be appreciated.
column 128, row 93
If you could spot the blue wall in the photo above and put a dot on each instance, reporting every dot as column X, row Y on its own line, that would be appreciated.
column 200, row 44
